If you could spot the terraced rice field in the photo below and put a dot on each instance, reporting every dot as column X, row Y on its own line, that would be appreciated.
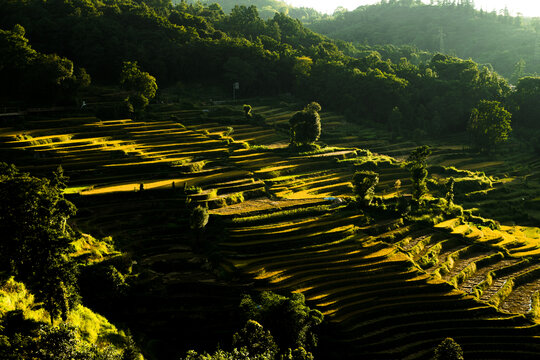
column 176, row 301
column 515, row 172
column 384, row 305
column 390, row 289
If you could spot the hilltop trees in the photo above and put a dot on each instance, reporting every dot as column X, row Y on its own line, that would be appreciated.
column 33, row 76
column 489, row 125
column 305, row 125
column 486, row 37
column 197, row 43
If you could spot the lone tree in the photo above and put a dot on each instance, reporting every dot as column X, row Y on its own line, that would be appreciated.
column 418, row 166
column 448, row 350
column 364, row 183
column 142, row 85
column 198, row 219
column 306, row 125
column 450, row 191
column 489, row 125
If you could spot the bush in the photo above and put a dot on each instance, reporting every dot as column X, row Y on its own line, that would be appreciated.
column 468, row 184
column 288, row 318
column 448, row 350
column 198, row 218
column 364, row 183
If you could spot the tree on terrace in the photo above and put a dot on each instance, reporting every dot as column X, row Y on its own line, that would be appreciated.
column 305, row 125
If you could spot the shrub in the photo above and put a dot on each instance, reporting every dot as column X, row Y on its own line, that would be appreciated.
column 198, row 218
column 448, row 350
column 364, row 183
column 305, row 125
column 288, row 318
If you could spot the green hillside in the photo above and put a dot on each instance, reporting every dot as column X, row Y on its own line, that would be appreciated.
column 507, row 43
column 274, row 224
column 268, row 8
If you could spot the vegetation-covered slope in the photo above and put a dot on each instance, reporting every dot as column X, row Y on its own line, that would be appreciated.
column 268, row 8
column 508, row 43
column 285, row 229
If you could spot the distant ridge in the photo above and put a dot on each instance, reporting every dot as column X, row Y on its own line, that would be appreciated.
column 507, row 43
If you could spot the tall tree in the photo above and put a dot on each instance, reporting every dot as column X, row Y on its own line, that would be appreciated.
column 35, row 240
column 142, row 85
column 305, row 125
column 489, row 125
column 418, row 167
column 364, row 183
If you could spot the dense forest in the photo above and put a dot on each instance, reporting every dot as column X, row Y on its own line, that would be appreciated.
column 268, row 8
column 190, row 43
column 508, row 43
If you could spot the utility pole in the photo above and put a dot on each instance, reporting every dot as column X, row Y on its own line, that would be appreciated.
column 235, row 86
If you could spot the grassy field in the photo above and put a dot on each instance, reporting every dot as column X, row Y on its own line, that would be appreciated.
column 283, row 221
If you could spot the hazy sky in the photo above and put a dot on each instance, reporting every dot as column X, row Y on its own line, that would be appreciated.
column 526, row 7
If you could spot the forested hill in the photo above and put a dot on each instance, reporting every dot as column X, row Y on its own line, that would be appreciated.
column 198, row 44
column 506, row 42
column 268, row 8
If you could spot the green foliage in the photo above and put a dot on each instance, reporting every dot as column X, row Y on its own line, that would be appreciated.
column 313, row 106
column 432, row 93
column 33, row 215
column 418, row 166
column 28, row 340
column 448, row 350
column 489, row 125
column 142, row 85
column 256, row 340
column 297, row 354
column 33, row 76
column 268, row 8
column 450, row 191
column 131, row 351
column 198, row 218
column 364, row 183
column 305, row 125
column 250, row 343
column 486, row 37
column 290, row 321
column 525, row 104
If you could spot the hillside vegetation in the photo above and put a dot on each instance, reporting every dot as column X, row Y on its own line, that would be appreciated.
column 508, row 43
column 275, row 221
column 359, row 201
column 268, row 8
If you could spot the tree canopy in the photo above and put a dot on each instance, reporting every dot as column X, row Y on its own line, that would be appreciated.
column 489, row 125
column 35, row 238
column 305, row 125
column 33, row 76
column 456, row 27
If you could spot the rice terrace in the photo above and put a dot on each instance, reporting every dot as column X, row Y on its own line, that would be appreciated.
column 350, row 199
